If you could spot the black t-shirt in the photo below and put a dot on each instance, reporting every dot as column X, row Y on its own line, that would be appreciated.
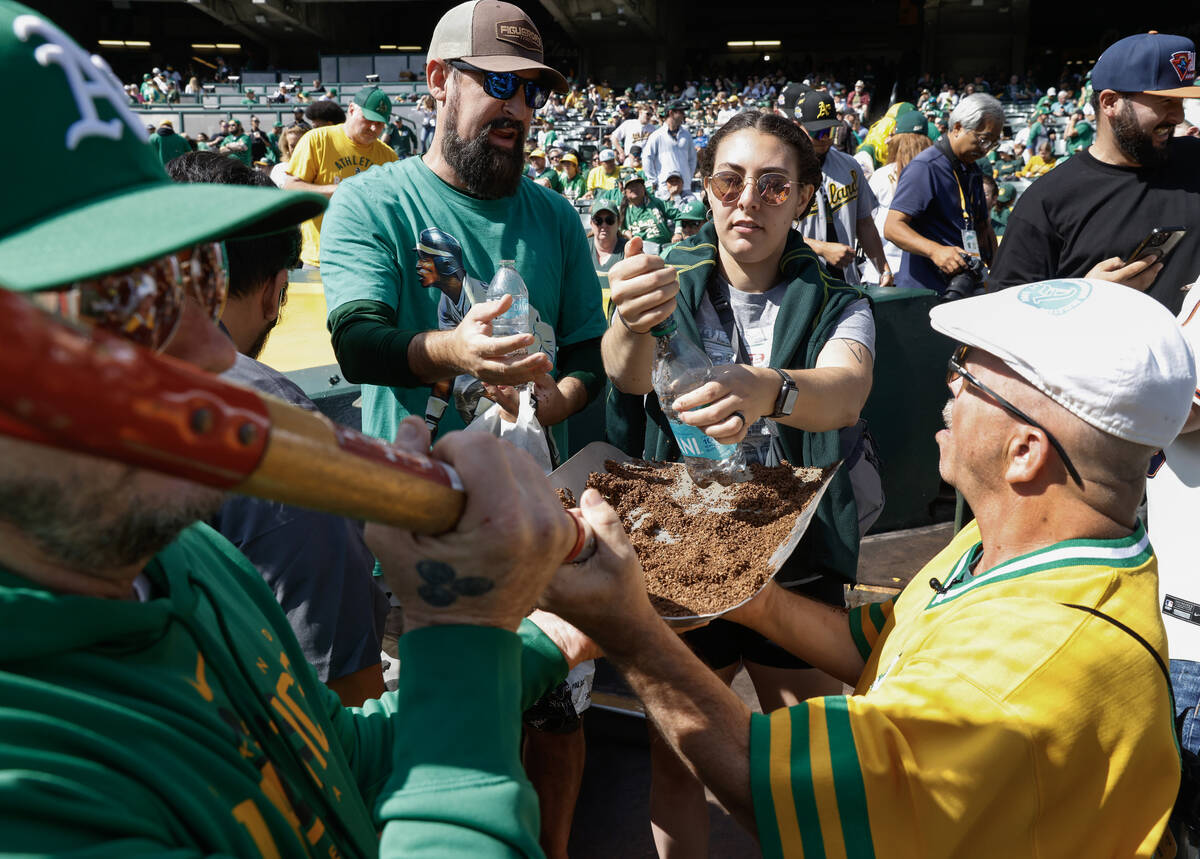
column 1084, row 211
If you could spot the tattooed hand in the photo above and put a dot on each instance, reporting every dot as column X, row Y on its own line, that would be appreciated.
column 491, row 569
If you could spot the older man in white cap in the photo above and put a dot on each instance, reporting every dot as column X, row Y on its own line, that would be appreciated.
column 1012, row 701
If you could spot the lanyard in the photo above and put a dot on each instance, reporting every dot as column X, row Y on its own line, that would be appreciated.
column 944, row 144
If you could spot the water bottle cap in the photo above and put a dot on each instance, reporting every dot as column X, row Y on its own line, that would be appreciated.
column 665, row 328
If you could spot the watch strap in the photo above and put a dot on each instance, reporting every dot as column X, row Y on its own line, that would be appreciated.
column 787, row 386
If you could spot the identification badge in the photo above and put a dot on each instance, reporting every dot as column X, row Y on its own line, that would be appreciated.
column 971, row 243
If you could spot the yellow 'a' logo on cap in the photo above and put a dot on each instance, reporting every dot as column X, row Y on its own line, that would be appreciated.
column 823, row 109
column 89, row 77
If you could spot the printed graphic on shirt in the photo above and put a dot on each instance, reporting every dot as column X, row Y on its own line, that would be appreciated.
column 440, row 264
column 839, row 195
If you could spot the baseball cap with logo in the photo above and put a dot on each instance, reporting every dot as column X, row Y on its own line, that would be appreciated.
column 604, row 204
column 494, row 36
column 607, row 155
column 108, row 204
column 1005, row 193
column 816, row 111
column 571, row 158
column 630, row 175
column 913, row 122
column 375, row 104
column 694, row 211
column 1153, row 63
column 1070, row 340
column 537, row 153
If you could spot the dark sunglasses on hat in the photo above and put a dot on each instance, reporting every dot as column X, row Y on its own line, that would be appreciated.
column 504, row 85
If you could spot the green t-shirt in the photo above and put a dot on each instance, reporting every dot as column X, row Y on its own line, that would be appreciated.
column 1000, row 220
column 552, row 177
column 575, row 188
column 243, row 154
column 1007, row 169
column 368, row 252
column 650, row 220
column 1084, row 137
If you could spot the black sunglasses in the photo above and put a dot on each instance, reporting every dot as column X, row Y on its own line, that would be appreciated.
column 608, row 220
column 504, row 85
column 957, row 369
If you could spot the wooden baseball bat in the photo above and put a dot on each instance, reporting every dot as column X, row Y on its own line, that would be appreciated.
column 93, row 392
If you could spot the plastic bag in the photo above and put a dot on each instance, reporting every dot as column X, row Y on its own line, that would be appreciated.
column 526, row 433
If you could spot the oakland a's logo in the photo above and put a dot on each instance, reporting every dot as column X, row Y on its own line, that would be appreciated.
column 89, row 77
column 824, row 109
column 1055, row 296
column 1184, row 64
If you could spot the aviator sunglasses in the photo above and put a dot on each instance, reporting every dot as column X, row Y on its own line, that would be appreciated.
column 956, row 369
column 773, row 188
column 504, row 85
column 144, row 303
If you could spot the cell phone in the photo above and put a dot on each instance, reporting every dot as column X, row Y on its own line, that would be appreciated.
column 1159, row 241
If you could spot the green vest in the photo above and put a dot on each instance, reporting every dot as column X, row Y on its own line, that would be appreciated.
column 811, row 307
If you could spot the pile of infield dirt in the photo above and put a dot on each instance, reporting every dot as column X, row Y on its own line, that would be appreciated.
column 705, row 550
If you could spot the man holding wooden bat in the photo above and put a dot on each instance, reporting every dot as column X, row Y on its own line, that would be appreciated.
column 152, row 696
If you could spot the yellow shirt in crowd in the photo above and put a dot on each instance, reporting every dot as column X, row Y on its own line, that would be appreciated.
column 325, row 156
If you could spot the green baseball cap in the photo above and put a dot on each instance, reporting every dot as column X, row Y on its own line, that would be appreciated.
column 694, row 211
column 604, row 204
column 1005, row 193
column 631, row 174
column 912, row 122
column 375, row 104
column 108, row 204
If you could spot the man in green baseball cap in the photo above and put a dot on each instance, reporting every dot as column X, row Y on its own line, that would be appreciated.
column 327, row 155
column 143, row 657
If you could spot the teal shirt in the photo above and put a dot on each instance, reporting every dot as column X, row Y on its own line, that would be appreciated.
column 1084, row 137
column 552, row 177
column 244, row 155
column 190, row 724
column 368, row 252
column 651, row 221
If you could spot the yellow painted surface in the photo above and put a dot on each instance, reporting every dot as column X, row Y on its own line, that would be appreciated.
column 300, row 340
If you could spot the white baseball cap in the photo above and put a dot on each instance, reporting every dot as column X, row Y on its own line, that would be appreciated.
column 1110, row 355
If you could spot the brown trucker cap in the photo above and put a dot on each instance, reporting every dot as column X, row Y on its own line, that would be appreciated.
column 496, row 37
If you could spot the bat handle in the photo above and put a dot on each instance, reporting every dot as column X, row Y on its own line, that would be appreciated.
column 585, row 539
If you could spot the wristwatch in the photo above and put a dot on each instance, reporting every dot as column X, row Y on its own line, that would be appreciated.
column 788, row 394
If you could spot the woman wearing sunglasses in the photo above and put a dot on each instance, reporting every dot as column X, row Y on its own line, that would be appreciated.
column 607, row 242
column 793, row 350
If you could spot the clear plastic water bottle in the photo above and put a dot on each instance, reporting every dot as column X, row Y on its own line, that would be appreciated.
column 515, row 320
column 679, row 367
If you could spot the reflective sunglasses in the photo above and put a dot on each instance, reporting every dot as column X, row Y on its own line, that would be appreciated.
column 607, row 220
column 144, row 304
column 504, row 85
column 956, row 369
column 773, row 188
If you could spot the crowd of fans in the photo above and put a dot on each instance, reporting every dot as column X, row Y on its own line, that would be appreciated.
column 1013, row 700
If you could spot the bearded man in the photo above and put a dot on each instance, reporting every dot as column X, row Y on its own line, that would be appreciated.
column 486, row 73
column 1088, row 216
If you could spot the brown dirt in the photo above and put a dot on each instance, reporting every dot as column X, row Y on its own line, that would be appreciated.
column 705, row 550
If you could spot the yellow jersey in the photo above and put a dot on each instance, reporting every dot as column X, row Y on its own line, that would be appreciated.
column 992, row 719
column 326, row 156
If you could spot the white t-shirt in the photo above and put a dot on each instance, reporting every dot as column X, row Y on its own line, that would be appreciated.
column 883, row 186
column 1173, row 492
column 754, row 313
column 632, row 133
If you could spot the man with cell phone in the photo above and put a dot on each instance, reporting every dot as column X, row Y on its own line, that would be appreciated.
column 1116, row 209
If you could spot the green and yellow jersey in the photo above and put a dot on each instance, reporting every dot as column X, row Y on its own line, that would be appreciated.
column 997, row 718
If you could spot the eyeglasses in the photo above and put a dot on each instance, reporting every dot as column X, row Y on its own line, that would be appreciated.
column 606, row 220
column 773, row 188
column 144, row 304
column 956, row 369
column 986, row 142
column 504, row 85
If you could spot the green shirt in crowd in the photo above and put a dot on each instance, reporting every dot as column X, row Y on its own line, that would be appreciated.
column 651, row 220
column 190, row 724
column 369, row 242
column 552, row 177
column 1084, row 137
column 242, row 153
column 575, row 188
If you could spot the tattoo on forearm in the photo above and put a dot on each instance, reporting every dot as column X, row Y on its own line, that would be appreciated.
column 442, row 586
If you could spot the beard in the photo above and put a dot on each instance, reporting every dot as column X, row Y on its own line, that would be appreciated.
column 948, row 413
column 486, row 172
column 1134, row 142
column 88, row 521
column 260, row 342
